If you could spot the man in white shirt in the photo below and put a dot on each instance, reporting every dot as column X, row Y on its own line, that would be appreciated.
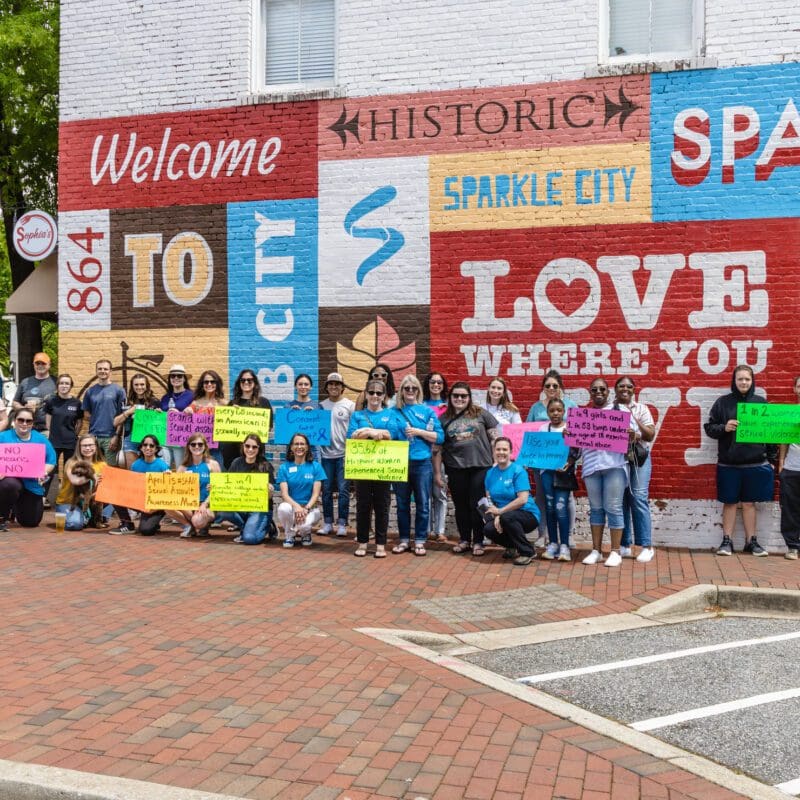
column 333, row 456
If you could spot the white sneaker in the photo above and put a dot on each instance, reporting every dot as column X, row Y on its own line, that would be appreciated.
column 551, row 551
column 592, row 558
column 341, row 530
column 564, row 554
column 325, row 529
column 626, row 552
column 614, row 559
column 646, row 555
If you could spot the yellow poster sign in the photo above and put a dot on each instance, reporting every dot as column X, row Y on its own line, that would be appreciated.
column 234, row 423
column 370, row 460
column 239, row 491
column 171, row 490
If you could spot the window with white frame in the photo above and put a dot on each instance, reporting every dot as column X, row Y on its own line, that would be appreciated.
column 652, row 30
column 297, row 43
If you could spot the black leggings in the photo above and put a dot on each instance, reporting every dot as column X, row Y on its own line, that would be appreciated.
column 514, row 525
column 466, row 488
column 28, row 507
column 377, row 496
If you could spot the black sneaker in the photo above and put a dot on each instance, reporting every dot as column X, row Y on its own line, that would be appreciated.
column 510, row 552
column 754, row 548
column 122, row 529
column 3, row 526
column 726, row 548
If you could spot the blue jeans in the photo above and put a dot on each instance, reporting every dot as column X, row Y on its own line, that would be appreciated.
column 556, row 508
column 75, row 520
column 253, row 524
column 334, row 480
column 637, row 506
column 438, row 512
column 606, row 489
column 420, row 475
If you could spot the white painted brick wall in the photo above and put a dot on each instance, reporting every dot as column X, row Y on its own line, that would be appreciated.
column 121, row 57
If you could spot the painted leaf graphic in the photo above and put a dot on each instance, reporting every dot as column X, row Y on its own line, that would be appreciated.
column 377, row 342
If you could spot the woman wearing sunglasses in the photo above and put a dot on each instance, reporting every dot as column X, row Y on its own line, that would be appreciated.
column 467, row 454
column 419, row 425
column 24, row 496
column 636, row 506
column 179, row 397
column 198, row 459
column 373, row 421
column 246, row 392
column 605, row 474
column 434, row 394
column 252, row 524
column 382, row 373
column 552, row 387
column 148, row 461
column 209, row 394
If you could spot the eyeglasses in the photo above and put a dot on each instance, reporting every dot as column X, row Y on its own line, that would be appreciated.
column 209, row 383
column 39, row 363
column 246, row 380
column 193, row 445
column 25, row 421
column 459, row 396
column 176, row 375
column 375, row 394
column 599, row 390
column 250, row 446
column 551, row 386
column 146, row 444
column 436, row 380
column 410, row 389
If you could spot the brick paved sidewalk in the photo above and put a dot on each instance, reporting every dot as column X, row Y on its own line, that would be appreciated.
column 237, row 669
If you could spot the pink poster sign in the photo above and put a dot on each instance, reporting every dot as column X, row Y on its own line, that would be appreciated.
column 181, row 426
column 22, row 460
column 600, row 428
column 516, row 432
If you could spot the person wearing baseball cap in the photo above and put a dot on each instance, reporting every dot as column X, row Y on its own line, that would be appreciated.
column 34, row 390
column 332, row 456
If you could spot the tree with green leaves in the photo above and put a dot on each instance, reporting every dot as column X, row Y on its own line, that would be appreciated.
column 28, row 134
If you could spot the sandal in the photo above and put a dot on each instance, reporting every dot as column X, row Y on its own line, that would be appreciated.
column 229, row 527
column 462, row 547
column 401, row 548
column 419, row 550
column 478, row 550
column 360, row 551
column 380, row 554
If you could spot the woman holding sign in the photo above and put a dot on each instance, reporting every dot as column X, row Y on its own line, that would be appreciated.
column 25, row 496
column 252, row 524
column 418, row 424
column 510, row 512
column 246, row 392
column 744, row 474
column 198, row 459
column 467, row 454
column 148, row 461
column 140, row 396
column 373, row 421
column 300, row 479
column 207, row 396
column 636, row 506
column 605, row 474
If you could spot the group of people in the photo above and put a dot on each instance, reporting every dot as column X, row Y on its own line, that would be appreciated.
column 455, row 446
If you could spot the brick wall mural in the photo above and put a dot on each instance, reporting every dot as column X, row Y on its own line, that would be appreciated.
column 645, row 225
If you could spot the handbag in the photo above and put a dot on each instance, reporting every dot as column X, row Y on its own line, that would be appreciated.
column 637, row 453
column 565, row 480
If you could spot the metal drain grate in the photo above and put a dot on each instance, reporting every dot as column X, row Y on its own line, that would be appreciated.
column 500, row 605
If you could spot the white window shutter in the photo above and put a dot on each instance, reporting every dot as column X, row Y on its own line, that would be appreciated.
column 300, row 41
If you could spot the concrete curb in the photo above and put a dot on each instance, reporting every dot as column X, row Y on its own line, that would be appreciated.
column 35, row 782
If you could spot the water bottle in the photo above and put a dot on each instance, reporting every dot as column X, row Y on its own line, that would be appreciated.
column 171, row 404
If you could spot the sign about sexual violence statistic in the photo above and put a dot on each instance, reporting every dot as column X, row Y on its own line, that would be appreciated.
column 598, row 428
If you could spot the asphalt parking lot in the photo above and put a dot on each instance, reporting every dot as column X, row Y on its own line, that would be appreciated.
column 727, row 688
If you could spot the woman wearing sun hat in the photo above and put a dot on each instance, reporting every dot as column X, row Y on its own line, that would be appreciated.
column 177, row 398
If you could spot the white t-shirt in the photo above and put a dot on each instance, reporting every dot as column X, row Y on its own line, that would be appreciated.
column 340, row 419
column 792, row 460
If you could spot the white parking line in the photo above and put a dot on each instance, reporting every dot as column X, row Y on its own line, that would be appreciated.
column 712, row 711
column 789, row 787
column 668, row 656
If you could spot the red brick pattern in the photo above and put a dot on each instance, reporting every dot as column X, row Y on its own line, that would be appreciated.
column 234, row 669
